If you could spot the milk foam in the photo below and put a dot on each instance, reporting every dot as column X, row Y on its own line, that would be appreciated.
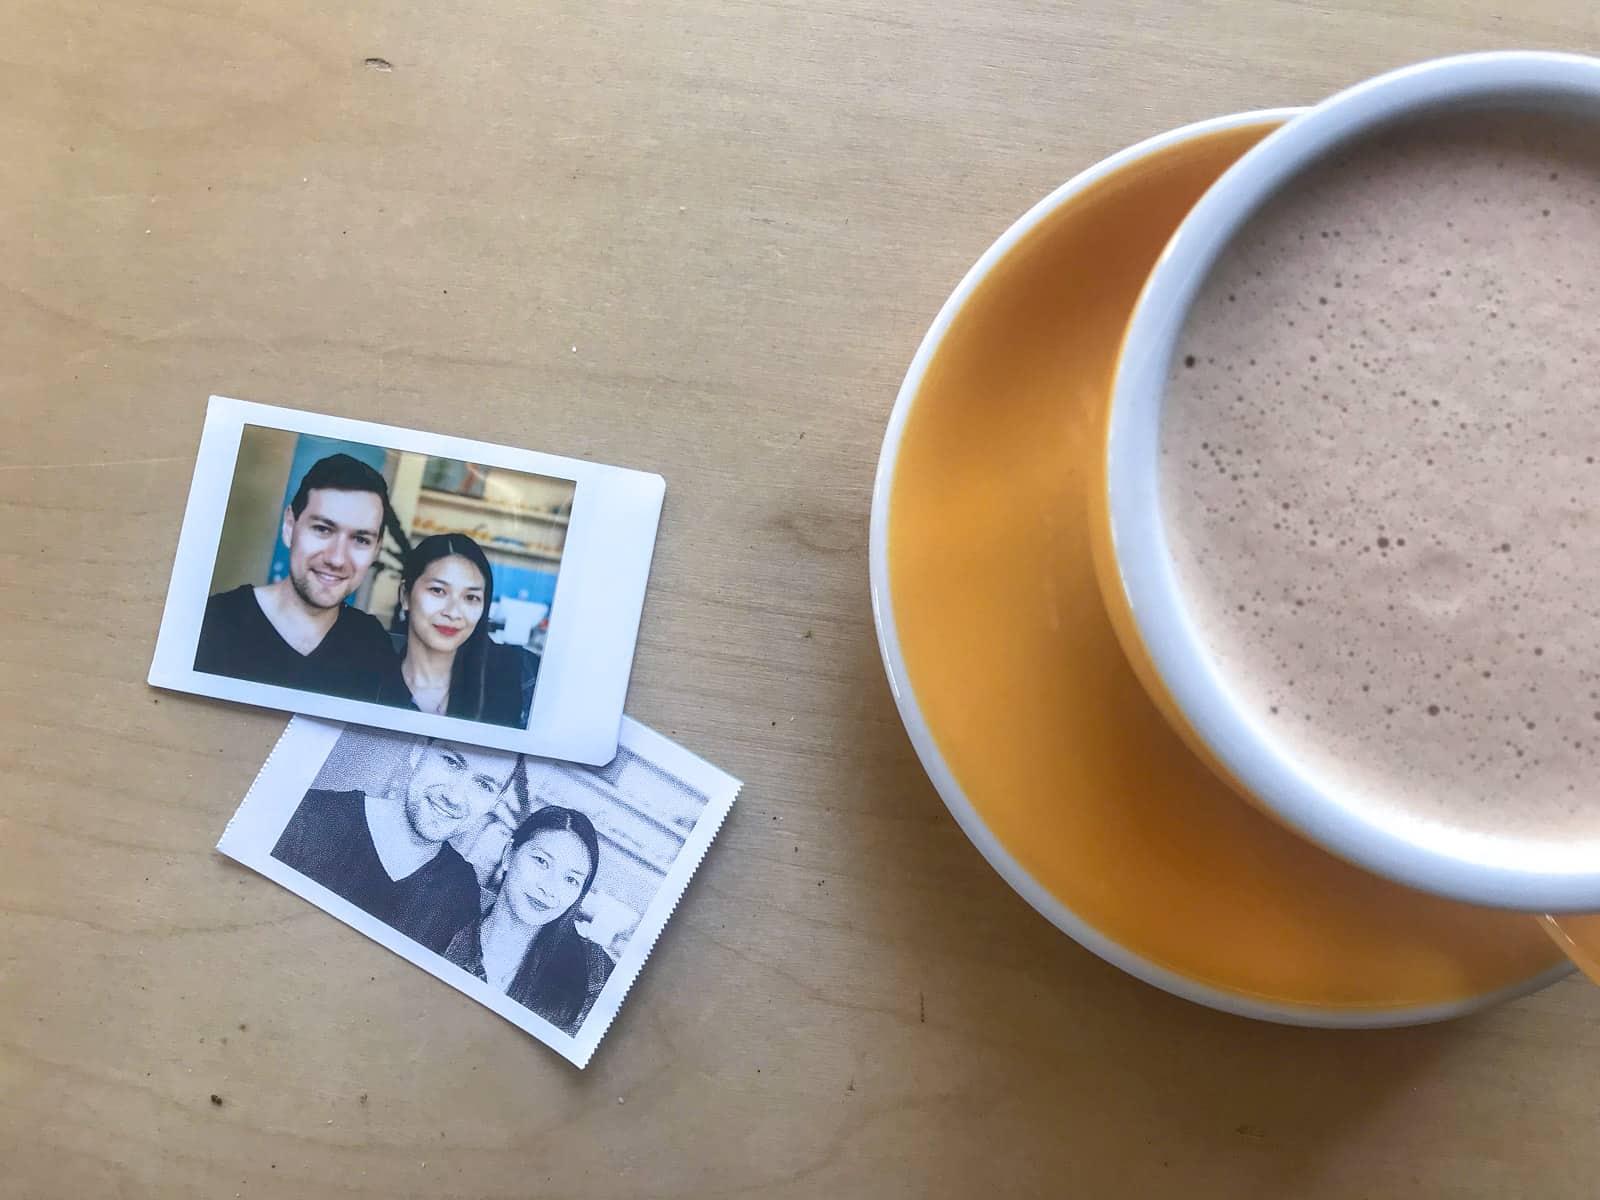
column 1381, row 472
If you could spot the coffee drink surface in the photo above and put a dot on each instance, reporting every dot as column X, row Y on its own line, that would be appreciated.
column 1380, row 474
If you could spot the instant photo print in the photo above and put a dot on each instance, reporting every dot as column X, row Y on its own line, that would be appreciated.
column 536, row 888
column 411, row 581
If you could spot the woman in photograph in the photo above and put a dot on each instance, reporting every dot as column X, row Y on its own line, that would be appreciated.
column 527, row 945
column 448, row 665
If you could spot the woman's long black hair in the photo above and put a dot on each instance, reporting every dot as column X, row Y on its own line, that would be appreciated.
column 554, row 978
column 470, row 669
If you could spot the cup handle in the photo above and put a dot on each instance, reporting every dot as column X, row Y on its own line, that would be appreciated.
column 1578, row 935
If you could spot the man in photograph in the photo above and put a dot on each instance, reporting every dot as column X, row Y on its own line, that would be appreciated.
column 299, row 632
column 390, row 854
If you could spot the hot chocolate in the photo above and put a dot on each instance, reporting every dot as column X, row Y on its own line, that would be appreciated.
column 1381, row 472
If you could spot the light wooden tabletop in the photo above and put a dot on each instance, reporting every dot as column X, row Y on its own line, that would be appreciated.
column 693, row 237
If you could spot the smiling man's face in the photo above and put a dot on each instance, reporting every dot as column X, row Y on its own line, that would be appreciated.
column 332, row 544
column 452, row 788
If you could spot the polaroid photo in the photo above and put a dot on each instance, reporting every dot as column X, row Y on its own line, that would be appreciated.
column 410, row 581
column 537, row 888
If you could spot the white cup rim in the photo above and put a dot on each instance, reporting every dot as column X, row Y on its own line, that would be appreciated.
column 1497, row 872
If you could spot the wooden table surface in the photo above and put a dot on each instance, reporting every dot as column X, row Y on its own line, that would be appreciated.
column 701, row 238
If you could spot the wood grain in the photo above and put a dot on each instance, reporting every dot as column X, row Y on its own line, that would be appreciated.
column 699, row 238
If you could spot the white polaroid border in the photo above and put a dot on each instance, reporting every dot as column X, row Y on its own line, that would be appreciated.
column 294, row 764
column 594, row 623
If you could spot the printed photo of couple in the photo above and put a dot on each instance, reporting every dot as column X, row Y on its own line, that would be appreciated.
column 528, row 874
column 396, row 578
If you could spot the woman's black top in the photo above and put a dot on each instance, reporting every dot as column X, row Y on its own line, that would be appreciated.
column 562, row 991
column 509, row 675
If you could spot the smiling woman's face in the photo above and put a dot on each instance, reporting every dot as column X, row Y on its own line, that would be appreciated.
column 445, row 604
column 545, row 876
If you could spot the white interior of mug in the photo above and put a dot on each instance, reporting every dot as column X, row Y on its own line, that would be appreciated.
column 1555, row 875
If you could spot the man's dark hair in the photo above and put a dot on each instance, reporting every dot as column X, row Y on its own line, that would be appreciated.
column 342, row 473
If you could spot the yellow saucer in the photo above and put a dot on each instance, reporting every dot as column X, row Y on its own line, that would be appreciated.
column 1017, row 696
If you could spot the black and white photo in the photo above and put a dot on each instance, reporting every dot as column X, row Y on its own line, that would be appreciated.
column 537, row 887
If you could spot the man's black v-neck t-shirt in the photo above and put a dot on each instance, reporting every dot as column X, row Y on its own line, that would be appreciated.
column 355, row 659
column 327, row 840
